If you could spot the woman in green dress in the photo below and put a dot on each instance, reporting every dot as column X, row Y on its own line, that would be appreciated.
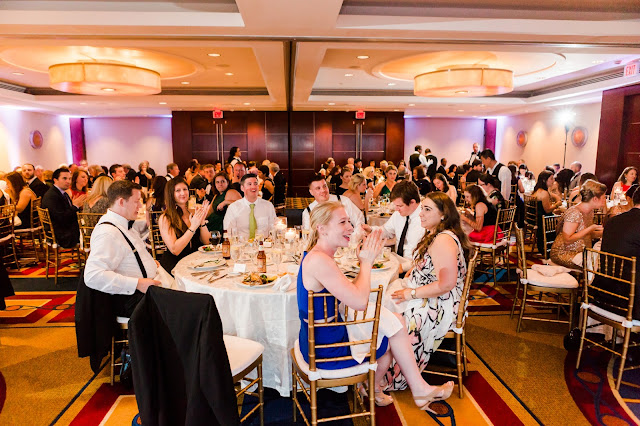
column 223, row 196
column 385, row 187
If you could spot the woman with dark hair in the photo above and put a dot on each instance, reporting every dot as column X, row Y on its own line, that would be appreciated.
column 547, row 202
column 182, row 232
column 22, row 196
column 234, row 156
column 79, row 183
column 330, row 229
column 491, row 186
column 192, row 171
column 421, row 180
column 222, row 198
column 385, row 187
column 431, row 297
column 333, row 176
column 563, row 177
column 267, row 186
column 482, row 215
column 628, row 177
column 574, row 195
column 440, row 183
column 576, row 230
column 345, row 178
column 155, row 202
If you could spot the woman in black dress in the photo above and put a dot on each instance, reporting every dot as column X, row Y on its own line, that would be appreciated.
column 267, row 183
column 182, row 231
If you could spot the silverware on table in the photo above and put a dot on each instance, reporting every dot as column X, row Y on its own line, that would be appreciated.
column 212, row 279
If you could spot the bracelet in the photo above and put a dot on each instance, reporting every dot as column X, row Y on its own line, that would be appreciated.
column 189, row 229
column 204, row 225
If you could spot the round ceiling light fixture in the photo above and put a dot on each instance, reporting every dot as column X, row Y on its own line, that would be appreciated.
column 464, row 81
column 91, row 78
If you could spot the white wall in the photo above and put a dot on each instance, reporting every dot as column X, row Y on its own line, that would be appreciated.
column 130, row 141
column 15, row 127
column 452, row 138
column 546, row 135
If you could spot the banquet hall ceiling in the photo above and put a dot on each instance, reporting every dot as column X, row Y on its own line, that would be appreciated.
column 318, row 54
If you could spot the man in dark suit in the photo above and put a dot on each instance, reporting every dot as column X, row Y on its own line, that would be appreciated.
column 432, row 163
column 621, row 236
column 279, row 182
column 36, row 185
column 62, row 210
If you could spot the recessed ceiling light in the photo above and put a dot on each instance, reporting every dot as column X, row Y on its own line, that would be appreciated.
column 412, row 104
column 247, row 103
column 215, row 55
column 228, row 73
column 462, row 92
column 83, row 103
column 396, row 110
column 597, row 62
column 428, row 116
column 482, row 106
column 332, row 103
column 326, row 109
column 252, row 109
column 460, row 110
column 184, row 82
column 391, row 84
column 162, row 103
column 348, row 75
column 108, row 89
column 17, row 73
column 362, row 57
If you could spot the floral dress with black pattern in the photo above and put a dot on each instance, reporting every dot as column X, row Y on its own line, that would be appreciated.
column 430, row 319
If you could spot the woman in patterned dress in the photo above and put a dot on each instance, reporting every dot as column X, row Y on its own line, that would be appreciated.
column 434, row 288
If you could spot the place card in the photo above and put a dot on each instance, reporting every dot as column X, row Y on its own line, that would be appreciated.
column 267, row 244
column 239, row 268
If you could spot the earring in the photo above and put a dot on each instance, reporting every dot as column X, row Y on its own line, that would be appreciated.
column 442, row 219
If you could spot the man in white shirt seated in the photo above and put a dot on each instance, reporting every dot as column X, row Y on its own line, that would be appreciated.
column 250, row 215
column 404, row 224
column 320, row 191
column 113, row 267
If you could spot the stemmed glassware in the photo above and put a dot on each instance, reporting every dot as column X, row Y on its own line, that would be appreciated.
column 215, row 238
column 276, row 255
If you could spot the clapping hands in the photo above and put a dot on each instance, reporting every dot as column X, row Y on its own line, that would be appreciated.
column 200, row 215
column 371, row 248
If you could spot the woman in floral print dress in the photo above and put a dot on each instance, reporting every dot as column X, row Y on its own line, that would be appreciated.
column 430, row 298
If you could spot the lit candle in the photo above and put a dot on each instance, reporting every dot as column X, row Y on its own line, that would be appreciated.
column 290, row 235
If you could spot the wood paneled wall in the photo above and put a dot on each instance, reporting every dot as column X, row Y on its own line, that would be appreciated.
column 619, row 138
column 299, row 142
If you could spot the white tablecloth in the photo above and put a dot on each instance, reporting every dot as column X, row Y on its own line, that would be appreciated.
column 263, row 315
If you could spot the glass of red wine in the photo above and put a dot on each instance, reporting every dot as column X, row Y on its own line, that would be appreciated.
column 215, row 238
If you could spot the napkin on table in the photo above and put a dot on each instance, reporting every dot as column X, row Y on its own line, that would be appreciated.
column 283, row 283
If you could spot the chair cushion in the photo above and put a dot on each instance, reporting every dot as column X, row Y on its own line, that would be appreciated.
column 122, row 320
column 612, row 316
column 564, row 280
column 241, row 352
column 327, row 374
column 500, row 243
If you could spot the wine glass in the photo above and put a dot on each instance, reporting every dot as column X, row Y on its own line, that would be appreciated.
column 276, row 255
column 215, row 238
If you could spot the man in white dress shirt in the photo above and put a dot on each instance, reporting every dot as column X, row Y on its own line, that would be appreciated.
column 320, row 191
column 112, row 266
column 251, row 215
column 404, row 224
column 498, row 170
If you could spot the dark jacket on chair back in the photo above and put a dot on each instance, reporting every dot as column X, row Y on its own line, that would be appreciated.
column 64, row 217
column 279, row 183
column 39, row 187
column 181, row 372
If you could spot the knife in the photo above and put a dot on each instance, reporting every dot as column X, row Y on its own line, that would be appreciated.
column 216, row 279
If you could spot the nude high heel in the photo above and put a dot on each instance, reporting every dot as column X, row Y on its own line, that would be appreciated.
column 439, row 393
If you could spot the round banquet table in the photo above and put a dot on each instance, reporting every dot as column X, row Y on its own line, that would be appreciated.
column 264, row 315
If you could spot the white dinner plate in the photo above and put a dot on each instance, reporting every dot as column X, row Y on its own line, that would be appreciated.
column 209, row 249
column 240, row 284
column 386, row 266
column 208, row 265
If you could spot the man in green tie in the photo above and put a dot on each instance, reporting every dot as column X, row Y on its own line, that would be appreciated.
column 251, row 215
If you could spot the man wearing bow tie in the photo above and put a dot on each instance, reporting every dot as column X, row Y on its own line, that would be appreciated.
column 113, row 266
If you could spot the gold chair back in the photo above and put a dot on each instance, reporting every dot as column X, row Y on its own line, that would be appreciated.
column 530, row 211
column 549, row 232
column 157, row 243
column 35, row 218
column 7, row 214
column 464, row 298
column 86, row 222
column 513, row 194
column 47, row 227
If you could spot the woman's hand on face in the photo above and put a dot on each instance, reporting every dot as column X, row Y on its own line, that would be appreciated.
column 404, row 294
column 371, row 247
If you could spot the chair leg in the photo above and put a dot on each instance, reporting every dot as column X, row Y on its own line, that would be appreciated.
column 623, row 359
column 372, row 399
column 46, row 258
column 584, row 330
column 515, row 297
column 313, row 402
column 493, row 259
column 459, row 364
column 464, row 353
column 112, row 359
column 572, row 301
column 57, row 259
column 261, row 394
column 294, row 395
column 523, row 304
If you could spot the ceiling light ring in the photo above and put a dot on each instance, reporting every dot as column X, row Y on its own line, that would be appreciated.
column 465, row 82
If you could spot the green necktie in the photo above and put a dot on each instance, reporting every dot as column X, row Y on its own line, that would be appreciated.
column 253, row 225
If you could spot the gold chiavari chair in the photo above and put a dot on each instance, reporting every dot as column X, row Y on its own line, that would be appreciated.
column 513, row 194
column 155, row 238
column 86, row 222
column 549, row 225
column 318, row 378
column 332, row 188
column 34, row 231
column 7, row 236
column 281, row 208
column 461, row 186
column 499, row 247
column 609, row 299
column 52, row 247
column 531, row 219
column 598, row 217
column 122, row 330
column 245, row 356
column 531, row 281
column 458, row 332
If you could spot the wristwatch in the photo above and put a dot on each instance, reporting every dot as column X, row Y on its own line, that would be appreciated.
column 413, row 293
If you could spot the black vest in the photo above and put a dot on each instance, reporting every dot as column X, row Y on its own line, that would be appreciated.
column 414, row 160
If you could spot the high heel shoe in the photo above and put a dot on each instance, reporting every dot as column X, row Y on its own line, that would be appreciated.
column 439, row 393
column 381, row 399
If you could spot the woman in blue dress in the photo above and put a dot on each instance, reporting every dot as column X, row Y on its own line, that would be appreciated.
column 319, row 273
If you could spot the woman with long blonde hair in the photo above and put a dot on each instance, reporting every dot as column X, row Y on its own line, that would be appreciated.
column 330, row 229
column 97, row 201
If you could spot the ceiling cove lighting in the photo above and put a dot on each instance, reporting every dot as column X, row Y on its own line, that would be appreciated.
column 98, row 78
column 464, row 81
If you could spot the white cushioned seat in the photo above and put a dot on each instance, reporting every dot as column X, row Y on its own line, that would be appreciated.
column 329, row 374
column 122, row 320
column 612, row 316
column 500, row 243
column 241, row 352
column 564, row 280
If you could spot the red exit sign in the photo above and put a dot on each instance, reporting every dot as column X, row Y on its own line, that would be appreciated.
column 631, row 69
column 360, row 115
column 217, row 114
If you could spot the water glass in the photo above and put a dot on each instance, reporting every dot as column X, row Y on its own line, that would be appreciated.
column 276, row 255
column 235, row 252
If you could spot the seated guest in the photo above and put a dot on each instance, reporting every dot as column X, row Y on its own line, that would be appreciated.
column 385, row 187
column 623, row 207
column 404, row 224
column 628, row 177
column 621, row 236
column 217, row 166
column 333, row 176
column 357, row 187
column 440, row 183
column 370, row 174
column 279, row 182
column 173, row 171
column 474, row 173
column 200, row 191
column 117, row 172
column 320, row 191
column 574, row 195
column 434, row 289
column 576, row 229
column 421, row 180
column 239, row 170
column 345, row 177
column 182, row 232
column 47, row 178
column 482, row 215
column 491, row 186
column 250, row 215
column 204, row 178
column 547, row 202
column 442, row 169
column 130, row 174
column 155, row 202
column 330, row 229
column 223, row 196
column 79, row 184
column 62, row 210
column 192, row 171
column 563, row 178
column 267, row 187
column 37, row 186
column 112, row 266
column 22, row 196
column 145, row 174
column 97, row 200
